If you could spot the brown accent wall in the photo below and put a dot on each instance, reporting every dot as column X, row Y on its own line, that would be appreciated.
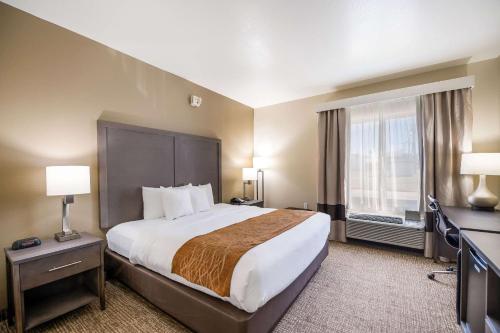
column 54, row 85
column 287, row 133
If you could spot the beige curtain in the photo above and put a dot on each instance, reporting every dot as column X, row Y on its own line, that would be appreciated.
column 446, row 123
column 331, row 187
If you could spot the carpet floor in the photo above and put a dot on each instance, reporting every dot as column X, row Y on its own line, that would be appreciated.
column 359, row 288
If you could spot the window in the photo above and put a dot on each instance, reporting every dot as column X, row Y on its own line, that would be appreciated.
column 383, row 157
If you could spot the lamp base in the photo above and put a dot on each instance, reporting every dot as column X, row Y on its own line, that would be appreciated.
column 483, row 198
column 484, row 209
column 63, row 237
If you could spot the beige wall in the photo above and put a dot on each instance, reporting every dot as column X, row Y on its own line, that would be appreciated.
column 287, row 133
column 54, row 85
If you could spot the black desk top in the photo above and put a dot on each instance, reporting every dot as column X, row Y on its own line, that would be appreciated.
column 488, row 246
column 468, row 219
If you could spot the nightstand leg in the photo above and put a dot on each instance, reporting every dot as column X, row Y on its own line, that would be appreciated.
column 17, row 298
column 102, row 295
column 101, row 281
column 10, row 300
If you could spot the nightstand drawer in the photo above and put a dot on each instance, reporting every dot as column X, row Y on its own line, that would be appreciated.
column 58, row 266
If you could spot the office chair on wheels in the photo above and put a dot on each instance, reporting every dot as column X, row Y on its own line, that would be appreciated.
column 445, row 229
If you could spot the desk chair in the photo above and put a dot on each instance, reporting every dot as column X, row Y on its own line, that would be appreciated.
column 446, row 230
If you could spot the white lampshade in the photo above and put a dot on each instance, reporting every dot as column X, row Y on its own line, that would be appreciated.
column 249, row 174
column 480, row 164
column 260, row 162
column 67, row 180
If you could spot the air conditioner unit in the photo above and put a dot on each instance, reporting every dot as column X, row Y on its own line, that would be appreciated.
column 409, row 234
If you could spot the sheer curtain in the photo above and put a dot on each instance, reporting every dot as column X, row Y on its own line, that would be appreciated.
column 383, row 157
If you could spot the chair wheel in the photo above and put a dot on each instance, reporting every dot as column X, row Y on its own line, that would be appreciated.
column 450, row 269
column 431, row 276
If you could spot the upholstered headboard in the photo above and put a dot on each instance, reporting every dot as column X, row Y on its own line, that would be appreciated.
column 131, row 157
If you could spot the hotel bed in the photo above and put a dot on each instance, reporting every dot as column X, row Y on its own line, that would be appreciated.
column 266, row 279
column 262, row 273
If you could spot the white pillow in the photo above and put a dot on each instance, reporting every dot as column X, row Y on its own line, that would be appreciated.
column 183, row 186
column 151, row 200
column 176, row 202
column 199, row 199
column 208, row 193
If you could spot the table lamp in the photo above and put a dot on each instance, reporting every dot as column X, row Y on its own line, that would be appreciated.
column 248, row 175
column 481, row 164
column 67, row 181
column 260, row 163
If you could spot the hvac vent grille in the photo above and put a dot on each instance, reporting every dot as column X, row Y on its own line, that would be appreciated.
column 394, row 234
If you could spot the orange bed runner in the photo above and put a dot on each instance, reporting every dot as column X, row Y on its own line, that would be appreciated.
column 209, row 260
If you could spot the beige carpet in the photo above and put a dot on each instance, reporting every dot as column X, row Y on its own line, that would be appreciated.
column 359, row 288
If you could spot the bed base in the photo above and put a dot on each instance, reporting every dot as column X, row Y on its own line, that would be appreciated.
column 199, row 311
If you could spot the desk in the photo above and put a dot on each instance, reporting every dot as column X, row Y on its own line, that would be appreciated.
column 464, row 219
column 468, row 219
column 480, row 282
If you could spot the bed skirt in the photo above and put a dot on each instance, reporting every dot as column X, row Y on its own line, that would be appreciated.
column 199, row 311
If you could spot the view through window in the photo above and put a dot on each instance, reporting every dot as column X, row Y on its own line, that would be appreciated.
column 383, row 157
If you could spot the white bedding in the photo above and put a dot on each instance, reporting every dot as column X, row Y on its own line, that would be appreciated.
column 260, row 274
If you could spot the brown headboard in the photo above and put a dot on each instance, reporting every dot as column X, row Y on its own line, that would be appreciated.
column 131, row 157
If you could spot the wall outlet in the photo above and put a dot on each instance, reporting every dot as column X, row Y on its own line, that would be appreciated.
column 305, row 205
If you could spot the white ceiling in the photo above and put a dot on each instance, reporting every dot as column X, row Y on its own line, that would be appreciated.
column 263, row 52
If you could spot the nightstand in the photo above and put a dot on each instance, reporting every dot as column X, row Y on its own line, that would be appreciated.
column 256, row 203
column 298, row 208
column 46, row 281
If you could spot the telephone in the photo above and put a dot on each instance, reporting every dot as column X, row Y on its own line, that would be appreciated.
column 237, row 201
column 25, row 243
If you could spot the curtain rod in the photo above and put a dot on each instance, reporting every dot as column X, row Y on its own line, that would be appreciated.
column 422, row 89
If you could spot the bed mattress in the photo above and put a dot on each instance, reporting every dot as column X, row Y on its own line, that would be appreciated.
column 261, row 273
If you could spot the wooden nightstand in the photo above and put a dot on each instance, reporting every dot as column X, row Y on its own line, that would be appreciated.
column 46, row 281
column 298, row 208
column 256, row 203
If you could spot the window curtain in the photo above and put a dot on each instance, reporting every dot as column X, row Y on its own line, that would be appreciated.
column 331, row 173
column 446, row 124
column 383, row 157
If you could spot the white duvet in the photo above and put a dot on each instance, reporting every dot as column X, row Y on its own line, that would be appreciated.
column 260, row 274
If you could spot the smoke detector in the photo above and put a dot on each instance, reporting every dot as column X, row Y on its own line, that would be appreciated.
column 195, row 101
